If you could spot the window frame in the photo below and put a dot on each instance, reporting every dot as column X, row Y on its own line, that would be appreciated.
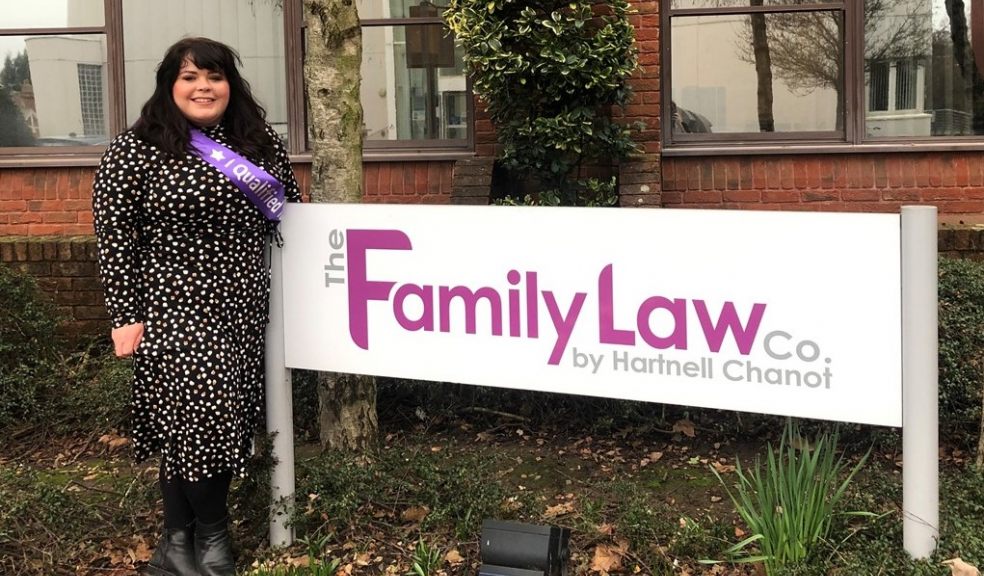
column 848, row 79
column 79, row 155
column 372, row 150
column 293, row 17
column 854, row 139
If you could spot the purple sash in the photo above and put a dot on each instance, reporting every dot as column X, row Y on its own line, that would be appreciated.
column 262, row 189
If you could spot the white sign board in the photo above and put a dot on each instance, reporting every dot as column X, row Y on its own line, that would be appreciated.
column 781, row 313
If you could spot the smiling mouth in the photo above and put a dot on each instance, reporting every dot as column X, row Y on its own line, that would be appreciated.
column 203, row 100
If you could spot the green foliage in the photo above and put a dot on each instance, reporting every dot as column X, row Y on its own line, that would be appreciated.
column 455, row 489
column 961, row 359
column 789, row 503
column 550, row 73
column 426, row 560
column 92, row 392
column 14, row 130
column 48, row 518
column 315, row 568
column 16, row 70
column 28, row 353
column 588, row 192
column 43, row 383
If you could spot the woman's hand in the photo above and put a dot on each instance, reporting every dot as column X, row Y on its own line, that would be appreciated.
column 127, row 338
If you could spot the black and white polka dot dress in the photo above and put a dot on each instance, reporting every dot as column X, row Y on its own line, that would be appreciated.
column 181, row 249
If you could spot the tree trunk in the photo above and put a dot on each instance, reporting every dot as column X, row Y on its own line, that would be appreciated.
column 332, row 66
column 763, row 71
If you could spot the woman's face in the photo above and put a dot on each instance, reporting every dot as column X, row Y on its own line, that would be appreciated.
column 201, row 95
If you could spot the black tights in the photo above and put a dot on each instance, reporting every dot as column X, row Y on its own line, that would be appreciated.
column 185, row 501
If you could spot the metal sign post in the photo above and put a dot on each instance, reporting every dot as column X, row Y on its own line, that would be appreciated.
column 279, row 411
column 920, row 387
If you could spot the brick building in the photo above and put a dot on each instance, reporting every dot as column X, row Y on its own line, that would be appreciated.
column 888, row 109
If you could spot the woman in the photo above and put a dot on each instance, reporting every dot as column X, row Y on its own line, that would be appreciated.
column 182, row 224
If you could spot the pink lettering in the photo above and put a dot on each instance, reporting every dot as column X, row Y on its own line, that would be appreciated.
column 360, row 289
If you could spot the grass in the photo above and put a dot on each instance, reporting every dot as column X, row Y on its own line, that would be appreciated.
column 436, row 484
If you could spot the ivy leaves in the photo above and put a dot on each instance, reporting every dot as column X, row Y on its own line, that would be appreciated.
column 550, row 73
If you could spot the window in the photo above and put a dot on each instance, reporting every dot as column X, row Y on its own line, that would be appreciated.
column 52, row 92
column 255, row 29
column 823, row 71
column 415, row 94
column 91, row 99
column 73, row 73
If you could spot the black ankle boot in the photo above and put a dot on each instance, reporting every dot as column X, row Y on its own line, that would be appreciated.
column 175, row 554
column 213, row 549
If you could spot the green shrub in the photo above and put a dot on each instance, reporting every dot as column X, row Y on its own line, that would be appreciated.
column 961, row 360
column 455, row 489
column 42, row 382
column 28, row 349
column 550, row 73
column 788, row 504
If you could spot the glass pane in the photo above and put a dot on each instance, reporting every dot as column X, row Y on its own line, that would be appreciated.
column 413, row 84
column 758, row 73
column 51, row 13
column 681, row 4
column 371, row 9
column 53, row 91
column 255, row 29
column 924, row 69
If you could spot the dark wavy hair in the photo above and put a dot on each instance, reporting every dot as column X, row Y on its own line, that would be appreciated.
column 162, row 124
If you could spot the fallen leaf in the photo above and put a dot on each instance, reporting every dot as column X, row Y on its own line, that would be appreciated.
column 715, row 499
column 113, row 441
column 362, row 559
column 722, row 468
column 142, row 552
column 511, row 504
column 739, row 533
column 685, row 427
column 559, row 510
column 415, row 514
column 454, row 556
column 605, row 528
column 960, row 568
column 608, row 558
column 300, row 561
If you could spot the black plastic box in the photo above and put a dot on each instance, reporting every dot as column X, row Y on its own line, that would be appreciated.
column 540, row 550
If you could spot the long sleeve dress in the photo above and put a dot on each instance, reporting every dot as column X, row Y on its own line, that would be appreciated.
column 181, row 249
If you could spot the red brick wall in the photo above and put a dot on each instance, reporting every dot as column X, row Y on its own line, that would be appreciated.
column 408, row 182
column 639, row 178
column 58, row 201
column 954, row 182
column 65, row 269
column 45, row 202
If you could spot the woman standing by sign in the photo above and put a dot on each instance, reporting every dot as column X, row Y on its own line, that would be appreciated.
column 185, row 203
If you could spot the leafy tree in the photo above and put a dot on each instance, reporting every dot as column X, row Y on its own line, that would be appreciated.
column 16, row 70
column 804, row 49
column 332, row 66
column 14, row 130
column 550, row 73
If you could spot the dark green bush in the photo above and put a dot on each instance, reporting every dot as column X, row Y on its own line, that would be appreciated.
column 93, row 392
column 28, row 349
column 550, row 72
column 44, row 382
column 961, row 336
